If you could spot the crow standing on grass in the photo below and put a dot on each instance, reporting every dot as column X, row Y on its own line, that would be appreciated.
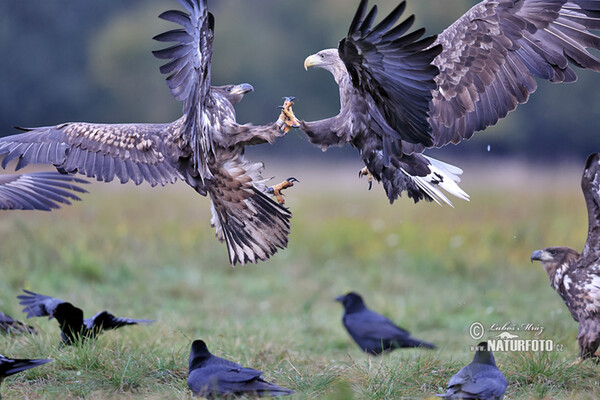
column 73, row 326
column 479, row 380
column 211, row 376
column 10, row 325
column 373, row 332
column 576, row 277
column 10, row 366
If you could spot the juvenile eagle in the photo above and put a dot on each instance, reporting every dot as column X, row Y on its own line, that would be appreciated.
column 401, row 94
column 204, row 148
column 576, row 277
column 38, row 191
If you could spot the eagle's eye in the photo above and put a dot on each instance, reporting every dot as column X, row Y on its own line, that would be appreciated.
column 228, row 89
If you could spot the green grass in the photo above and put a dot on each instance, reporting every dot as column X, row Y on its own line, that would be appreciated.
column 150, row 253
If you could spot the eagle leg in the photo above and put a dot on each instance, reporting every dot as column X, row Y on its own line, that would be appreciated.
column 287, row 120
column 365, row 172
column 276, row 189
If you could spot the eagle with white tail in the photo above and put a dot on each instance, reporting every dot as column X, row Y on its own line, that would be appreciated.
column 402, row 93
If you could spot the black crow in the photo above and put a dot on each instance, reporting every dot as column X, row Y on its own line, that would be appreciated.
column 479, row 380
column 9, row 366
column 373, row 332
column 10, row 325
column 211, row 376
column 70, row 318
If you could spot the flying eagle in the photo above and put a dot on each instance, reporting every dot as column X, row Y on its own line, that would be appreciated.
column 204, row 148
column 576, row 277
column 401, row 93
column 38, row 191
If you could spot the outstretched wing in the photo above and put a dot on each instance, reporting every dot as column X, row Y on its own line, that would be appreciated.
column 189, row 71
column 38, row 305
column 38, row 191
column 251, row 224
column 394, row 71
column 10, row 366
column 590, row 185
column 128, row 151
column 493, row 53
column 105, row 321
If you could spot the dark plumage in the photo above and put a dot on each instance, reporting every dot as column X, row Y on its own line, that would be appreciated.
column 480, row 380
column 373, row 332
column 211, row 376
column 11, row 366
column 204, row 148
column 576, row 277
column 73, row 326
column 10, row 325
column 38, row 191
column 401, row 93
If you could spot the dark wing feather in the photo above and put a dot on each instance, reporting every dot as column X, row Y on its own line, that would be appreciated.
column 590, row 185
column 493, row 53
column 38, row 305
column 105, row 321
column 134, row 152
column 251, row 224
column 10, row 325
column 477, row 381
column 10, row 366
column 394, row 71
column 38, row 191
column 189, row 71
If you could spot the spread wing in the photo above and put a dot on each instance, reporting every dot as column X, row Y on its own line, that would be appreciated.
column 393, row 72
column 10, row 366
column 189, row 71
column 38, row 191
column 590, row 185
column 134, row 152
column 105, row 321
column 251, row 224
column 38, row 305
column 493, row 53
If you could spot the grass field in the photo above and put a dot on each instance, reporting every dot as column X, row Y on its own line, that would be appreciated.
column 150, row 253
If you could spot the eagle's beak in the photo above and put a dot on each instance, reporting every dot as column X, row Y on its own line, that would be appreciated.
column 536, row 255
column 242, row 88
column 312, row 61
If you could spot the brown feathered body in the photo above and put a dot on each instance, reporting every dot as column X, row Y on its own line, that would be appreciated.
column 576, row 277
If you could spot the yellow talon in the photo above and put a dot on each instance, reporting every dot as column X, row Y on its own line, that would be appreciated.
column 276, row 189
column 365, row 172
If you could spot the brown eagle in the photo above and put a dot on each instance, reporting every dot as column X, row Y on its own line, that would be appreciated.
column 402, row 93
column 38, row 191
column 576, row 277
column 204, row 148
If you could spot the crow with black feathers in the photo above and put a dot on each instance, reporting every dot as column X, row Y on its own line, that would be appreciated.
column 73, row 326
column 11, row 366
column 211, row 376
column 373, row 332
column 479, row 380
column 10, row 325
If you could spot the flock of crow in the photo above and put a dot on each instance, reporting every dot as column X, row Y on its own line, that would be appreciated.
column 400, row 93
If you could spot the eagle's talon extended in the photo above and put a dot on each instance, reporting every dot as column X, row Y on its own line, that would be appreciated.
column 365, row 172
column 276, row 189
column 287, row 120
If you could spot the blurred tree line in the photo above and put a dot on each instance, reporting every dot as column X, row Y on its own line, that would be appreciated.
column 90, row 60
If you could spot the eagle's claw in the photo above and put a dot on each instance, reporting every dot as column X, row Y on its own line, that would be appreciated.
column 287, row 120
column 276, row 189
column 365, row 172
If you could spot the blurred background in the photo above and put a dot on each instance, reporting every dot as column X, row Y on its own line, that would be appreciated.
column 87, row 60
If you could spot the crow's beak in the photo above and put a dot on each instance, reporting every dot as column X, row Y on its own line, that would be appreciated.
column 340, row 298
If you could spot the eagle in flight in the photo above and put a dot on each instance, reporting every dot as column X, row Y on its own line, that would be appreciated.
column 576, row 277
column 402, row 93
column 204, row 148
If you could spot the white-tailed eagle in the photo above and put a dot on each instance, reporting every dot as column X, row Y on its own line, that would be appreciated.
column 204, row 148
column 576, row 277
column 402, row 93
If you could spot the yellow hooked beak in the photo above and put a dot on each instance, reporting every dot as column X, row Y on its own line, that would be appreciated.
column 312, row 61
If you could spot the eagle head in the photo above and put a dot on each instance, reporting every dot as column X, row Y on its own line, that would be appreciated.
column 554, row 257
column 328, row 59
column 234, row 93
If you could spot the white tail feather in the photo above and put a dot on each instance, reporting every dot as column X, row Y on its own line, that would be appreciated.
column 442, row 175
